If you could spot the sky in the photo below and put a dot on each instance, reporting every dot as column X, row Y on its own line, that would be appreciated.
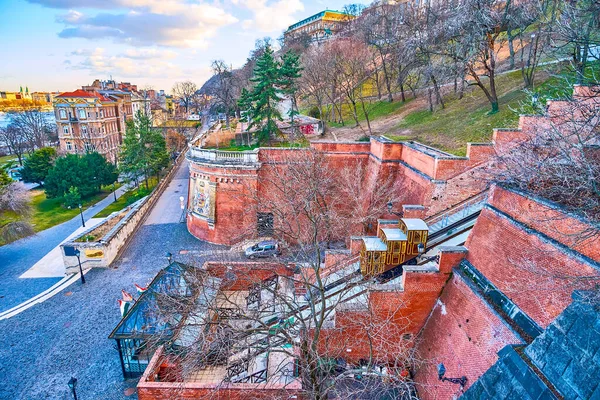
column 60, row 45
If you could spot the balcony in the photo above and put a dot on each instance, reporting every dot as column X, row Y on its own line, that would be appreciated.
column 73, row 119
column 225, row 158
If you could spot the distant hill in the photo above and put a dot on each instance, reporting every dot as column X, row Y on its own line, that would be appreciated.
column 209, row 85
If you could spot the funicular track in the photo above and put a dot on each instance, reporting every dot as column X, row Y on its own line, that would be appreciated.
column 444, row 226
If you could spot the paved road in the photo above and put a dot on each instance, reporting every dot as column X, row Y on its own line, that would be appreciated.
column 19, row 256
column 41, row 348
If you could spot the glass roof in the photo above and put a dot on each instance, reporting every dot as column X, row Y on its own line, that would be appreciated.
column 144, row 318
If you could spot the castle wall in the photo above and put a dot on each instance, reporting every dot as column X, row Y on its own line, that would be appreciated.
column 534, row 270
column 464, row 333
column 403, row 172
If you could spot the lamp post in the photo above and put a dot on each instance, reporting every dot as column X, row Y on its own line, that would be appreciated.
column 81, row 213
column 77, row 254
column 114, row 191
column 462, row 381
column 72, row 385
column 390, row 211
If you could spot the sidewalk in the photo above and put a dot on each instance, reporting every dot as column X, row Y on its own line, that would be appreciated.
column 52, row 265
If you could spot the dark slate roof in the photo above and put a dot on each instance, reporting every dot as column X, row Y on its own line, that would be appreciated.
column 509, row 378
column 563, row 362
column 568, row 352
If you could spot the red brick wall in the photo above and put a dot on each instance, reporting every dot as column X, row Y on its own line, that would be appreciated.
column 465, row 334
column 404, row 173
column 385, row 327
column 549, row 219
column 179, row 392
column 235, row 195
column 531, row 271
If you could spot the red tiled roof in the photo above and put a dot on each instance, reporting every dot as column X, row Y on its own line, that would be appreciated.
column 83, row 93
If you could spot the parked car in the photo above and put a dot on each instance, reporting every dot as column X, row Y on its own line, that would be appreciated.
column 267, row 248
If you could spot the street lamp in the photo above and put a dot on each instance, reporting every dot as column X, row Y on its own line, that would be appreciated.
column 390, row 211
column 72, row 385
column 81, row 213
column 114, row 191
column 77, row 254
column 462, row 381
column 169, row 256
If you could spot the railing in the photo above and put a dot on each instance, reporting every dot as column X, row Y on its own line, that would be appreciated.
column 219, row 156
column 465, row 206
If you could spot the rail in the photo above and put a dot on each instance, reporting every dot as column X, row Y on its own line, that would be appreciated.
column 464, row 206
column 223, row 157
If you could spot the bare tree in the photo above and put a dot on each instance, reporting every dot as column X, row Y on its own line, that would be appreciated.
column 303, row 321
column 225, row 88
column 352, row 69
column 577, row 28
column 15, row 140
column 379, row 28
column 559, row 158
column 32, row 123
column 14, row 210
column 185, row 92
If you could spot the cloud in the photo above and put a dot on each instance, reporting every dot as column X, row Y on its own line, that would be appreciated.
column 149, row 53
column 174, row 23
column 271, row 16
column 134, row 65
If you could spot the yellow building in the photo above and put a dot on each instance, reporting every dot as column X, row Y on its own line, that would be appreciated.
column 8, row 95
column 169, row 105
column 320, row 26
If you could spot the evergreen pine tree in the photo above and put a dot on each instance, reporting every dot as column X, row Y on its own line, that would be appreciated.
column 288, row 76
column 144, row 151
column 265, row 96
column 38, row 164
column 245, row 107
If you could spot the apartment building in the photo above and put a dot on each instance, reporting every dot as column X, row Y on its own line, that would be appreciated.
column 318, row 27
column 89, row 121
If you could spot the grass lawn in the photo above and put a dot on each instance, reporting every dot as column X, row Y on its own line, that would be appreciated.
column 50, row 212
column 233, row 147
column 5, row 159
column 469, row 120
column 375, row 109
column 129, row 197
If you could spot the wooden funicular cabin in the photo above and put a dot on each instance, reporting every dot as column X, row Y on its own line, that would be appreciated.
column 396, row 243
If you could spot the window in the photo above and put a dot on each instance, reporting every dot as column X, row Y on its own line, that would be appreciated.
column 63, row 114
column 84, row 129
column 101, row 114
column 82, row 114
column 69, row 146
column 66, row 129
column 264, row 224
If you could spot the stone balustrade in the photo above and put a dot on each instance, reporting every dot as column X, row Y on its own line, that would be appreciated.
column 210, row 156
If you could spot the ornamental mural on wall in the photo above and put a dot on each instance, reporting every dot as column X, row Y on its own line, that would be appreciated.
column 203, row 200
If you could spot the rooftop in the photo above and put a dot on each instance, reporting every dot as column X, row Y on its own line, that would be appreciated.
column 393, row 234
column 83, row 94
column 415, row 224
column 373, row 243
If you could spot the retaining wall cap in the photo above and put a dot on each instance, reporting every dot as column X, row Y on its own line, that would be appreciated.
column 453, row 249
